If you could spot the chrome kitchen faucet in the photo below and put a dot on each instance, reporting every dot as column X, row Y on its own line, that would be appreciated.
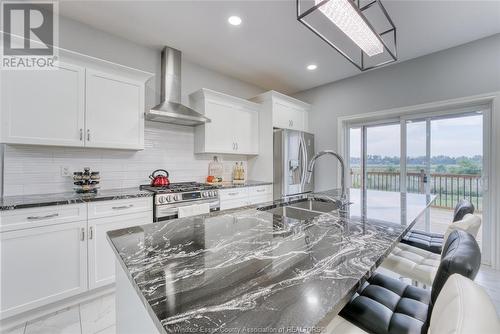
column 342, row 167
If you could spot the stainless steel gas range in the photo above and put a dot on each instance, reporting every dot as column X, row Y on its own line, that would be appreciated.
column 178, row 199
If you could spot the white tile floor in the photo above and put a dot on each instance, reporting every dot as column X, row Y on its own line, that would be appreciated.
column 98, row 316
column 92, row 317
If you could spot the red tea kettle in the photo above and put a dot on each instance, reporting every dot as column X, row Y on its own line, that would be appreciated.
column 158, row 180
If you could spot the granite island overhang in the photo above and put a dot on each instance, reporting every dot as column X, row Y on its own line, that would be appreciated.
column 249, row 270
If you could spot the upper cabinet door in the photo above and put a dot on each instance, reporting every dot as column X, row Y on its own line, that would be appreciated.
column 43, row 107
column 234, row 126
column 288, row 117
column 219, row 133
column 114, row 112
column 246, row 130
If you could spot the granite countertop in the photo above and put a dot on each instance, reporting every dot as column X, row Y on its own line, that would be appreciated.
column 251, row 269
column 248, row 183
column 31, row 201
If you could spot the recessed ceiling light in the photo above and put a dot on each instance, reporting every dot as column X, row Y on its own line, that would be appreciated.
column 234, row 20
column 312, row 67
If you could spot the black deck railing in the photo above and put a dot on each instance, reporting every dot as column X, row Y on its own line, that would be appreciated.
column 449, row 188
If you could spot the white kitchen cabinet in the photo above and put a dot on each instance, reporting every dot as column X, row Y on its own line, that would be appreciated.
column 42, row 265
column 101, row 258
column 43, row 107
column 238, row 197
column 101, row 209
column 51, row 253
column 287, row 112
column 233, row 198
column 287, row 116
column 234, row 124
column 11, row 220
column 85, row 102
column 114, row 114
column 246, row 131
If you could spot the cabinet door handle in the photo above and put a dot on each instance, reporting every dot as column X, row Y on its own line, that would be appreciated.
column 91, row 232
column 232, row 194
column 236, row 146
column 122, row 207
column 261, row 190
column 88, row 134
column 82, row 236
column 43, row 217
column 81, row 134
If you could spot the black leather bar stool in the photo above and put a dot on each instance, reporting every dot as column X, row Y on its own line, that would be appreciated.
column 433, row 242
column 384, row 305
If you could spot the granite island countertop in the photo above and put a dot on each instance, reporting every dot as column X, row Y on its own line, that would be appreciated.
column 247, row 268
column 32, row 201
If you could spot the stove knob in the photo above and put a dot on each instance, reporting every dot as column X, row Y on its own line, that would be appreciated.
column 212, row 193
column 206, row 194
column 176, row 198
column 168, row 198
column 161, row 199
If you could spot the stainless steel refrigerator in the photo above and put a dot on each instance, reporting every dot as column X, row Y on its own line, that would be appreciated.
column 292, row 152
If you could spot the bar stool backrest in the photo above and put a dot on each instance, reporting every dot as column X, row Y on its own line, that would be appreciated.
column 463, row 307
column 462, row 208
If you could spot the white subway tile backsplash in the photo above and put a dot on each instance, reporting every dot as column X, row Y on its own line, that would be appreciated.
column 37, row 169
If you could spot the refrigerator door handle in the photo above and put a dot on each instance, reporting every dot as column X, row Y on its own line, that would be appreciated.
column 305, row 159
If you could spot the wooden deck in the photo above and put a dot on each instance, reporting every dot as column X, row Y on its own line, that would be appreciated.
column 440, row 219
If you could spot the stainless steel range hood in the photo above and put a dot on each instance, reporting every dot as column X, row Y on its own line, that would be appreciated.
column 170, row 109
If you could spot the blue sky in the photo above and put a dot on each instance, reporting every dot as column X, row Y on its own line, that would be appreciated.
column 453, row 137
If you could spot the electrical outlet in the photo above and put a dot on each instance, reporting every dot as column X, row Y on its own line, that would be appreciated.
column 65, row 171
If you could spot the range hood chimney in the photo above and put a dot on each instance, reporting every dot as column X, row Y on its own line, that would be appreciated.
column 170, row 109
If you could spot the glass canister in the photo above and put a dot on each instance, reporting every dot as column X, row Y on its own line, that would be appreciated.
column 216, row 169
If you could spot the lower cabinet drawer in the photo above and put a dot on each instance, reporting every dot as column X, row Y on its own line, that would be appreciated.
column 261, row 199
column 232, row 194
column 238, row 197
column 41, row 216
column 231, row 204
column 260, row 191
column 102, row 209
column 100, row 255
column 42, row 265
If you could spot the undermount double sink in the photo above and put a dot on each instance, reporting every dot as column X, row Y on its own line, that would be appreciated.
column 303, row 210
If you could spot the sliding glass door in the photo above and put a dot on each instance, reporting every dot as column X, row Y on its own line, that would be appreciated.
column 442, row 154
column 444, row 158
column 378, row 157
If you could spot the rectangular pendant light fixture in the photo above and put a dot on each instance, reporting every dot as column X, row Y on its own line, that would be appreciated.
column 349, row 18
column 343, row 14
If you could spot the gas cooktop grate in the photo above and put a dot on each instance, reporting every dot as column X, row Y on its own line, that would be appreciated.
column 178, row 187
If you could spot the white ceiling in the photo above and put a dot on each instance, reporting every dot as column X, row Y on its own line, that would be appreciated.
column 271, row 48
